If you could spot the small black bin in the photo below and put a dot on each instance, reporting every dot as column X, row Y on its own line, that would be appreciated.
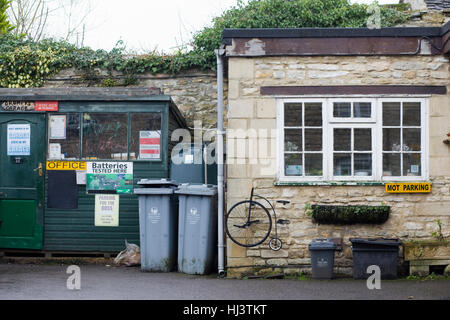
column 322, row 258
column 379, row 252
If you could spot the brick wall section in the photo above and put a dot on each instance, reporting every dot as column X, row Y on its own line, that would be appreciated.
column 412, row 215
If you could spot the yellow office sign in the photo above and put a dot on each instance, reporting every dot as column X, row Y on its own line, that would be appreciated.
column 66, row 165
column 413, row 187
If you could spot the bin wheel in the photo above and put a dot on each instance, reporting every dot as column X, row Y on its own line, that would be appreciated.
column 275, row 244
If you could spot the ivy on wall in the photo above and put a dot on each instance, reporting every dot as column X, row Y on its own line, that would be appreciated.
column 25, row 63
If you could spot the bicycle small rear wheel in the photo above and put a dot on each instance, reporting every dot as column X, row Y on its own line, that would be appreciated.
column 242, row 233
column 275, row 244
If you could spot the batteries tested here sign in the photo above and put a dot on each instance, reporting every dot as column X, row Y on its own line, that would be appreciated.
column 413, row 187
column 66, row 165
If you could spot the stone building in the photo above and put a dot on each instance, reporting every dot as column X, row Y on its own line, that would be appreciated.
column 328, row 117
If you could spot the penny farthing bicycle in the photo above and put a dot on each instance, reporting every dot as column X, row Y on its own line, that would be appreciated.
column 248, row 223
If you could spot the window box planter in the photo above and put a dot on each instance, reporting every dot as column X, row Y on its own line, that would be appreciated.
column 347, row 215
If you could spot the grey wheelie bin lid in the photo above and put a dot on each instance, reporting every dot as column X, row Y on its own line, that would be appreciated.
column 197, row 189
column 321, row 244
column 156, row 191
column 157, row 183
column 375, row 244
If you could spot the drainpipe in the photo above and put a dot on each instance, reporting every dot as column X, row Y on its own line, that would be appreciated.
column 220, row 162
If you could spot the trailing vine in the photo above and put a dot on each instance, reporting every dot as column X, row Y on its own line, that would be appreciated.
column 26, row 63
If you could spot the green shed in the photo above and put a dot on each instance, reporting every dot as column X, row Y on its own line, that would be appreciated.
column 55, row 195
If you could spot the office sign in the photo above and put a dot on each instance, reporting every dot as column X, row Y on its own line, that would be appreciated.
column 409, row 187
column 66, row 165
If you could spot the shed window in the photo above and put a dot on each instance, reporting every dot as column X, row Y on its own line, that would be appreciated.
column 64, row 136
column 368, row 139
column 105, row 136
column 145, row 143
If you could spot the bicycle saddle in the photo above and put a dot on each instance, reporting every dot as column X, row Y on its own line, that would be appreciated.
column 283, row 202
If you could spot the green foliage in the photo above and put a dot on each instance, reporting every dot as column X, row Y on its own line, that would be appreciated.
column 347, row 215
column 287, row 14
column 308, row 210
column 438, row 235
column 5, row 26
column 24, row 63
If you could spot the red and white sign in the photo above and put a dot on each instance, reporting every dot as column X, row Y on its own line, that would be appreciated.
column 46, row 106
column 149, row 144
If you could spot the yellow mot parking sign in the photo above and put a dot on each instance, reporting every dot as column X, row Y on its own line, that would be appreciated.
column 413, row 187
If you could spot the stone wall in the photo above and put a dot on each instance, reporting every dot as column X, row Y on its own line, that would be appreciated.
column 194, row 92
column 412, row 215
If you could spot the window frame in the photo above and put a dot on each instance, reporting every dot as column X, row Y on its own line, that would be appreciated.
column 333, row 119
column 81, row 135
column 375, row 122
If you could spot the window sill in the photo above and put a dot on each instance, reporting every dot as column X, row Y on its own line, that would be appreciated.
column 340, row 183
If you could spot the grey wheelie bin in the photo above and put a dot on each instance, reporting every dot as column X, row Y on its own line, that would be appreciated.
column 158, row 224
column 322, row 258
column 197, row 230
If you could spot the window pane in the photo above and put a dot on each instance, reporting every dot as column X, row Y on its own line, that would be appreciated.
column 411, row 164
column 313, row 139
column 391, row 114
column 363, row 164
column 145, row 143
column 105, row 136
column 293, row 164
column 313, row 164
column 68, row 148
column 293, row 140
column 342, row 164
column 391, row 164
column 411, row 114
column 313, row 114
column 342, row 110
column 363, row 139
column 342, row 139
column 411, row 139
column 391, row 139
column 362, row 110
column 293, row 115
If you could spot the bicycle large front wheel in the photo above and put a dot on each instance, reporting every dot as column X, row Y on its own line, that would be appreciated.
column 245, row 231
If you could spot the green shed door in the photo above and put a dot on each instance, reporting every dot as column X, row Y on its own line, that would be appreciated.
column 22, row 156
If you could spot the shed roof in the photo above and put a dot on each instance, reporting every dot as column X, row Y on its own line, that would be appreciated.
column 84, row 94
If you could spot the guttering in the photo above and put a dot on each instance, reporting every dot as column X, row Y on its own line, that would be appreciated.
column 337, row 41
column 220, row 163
column 229, row 34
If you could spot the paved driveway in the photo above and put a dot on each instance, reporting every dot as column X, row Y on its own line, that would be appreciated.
column 99, row 282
